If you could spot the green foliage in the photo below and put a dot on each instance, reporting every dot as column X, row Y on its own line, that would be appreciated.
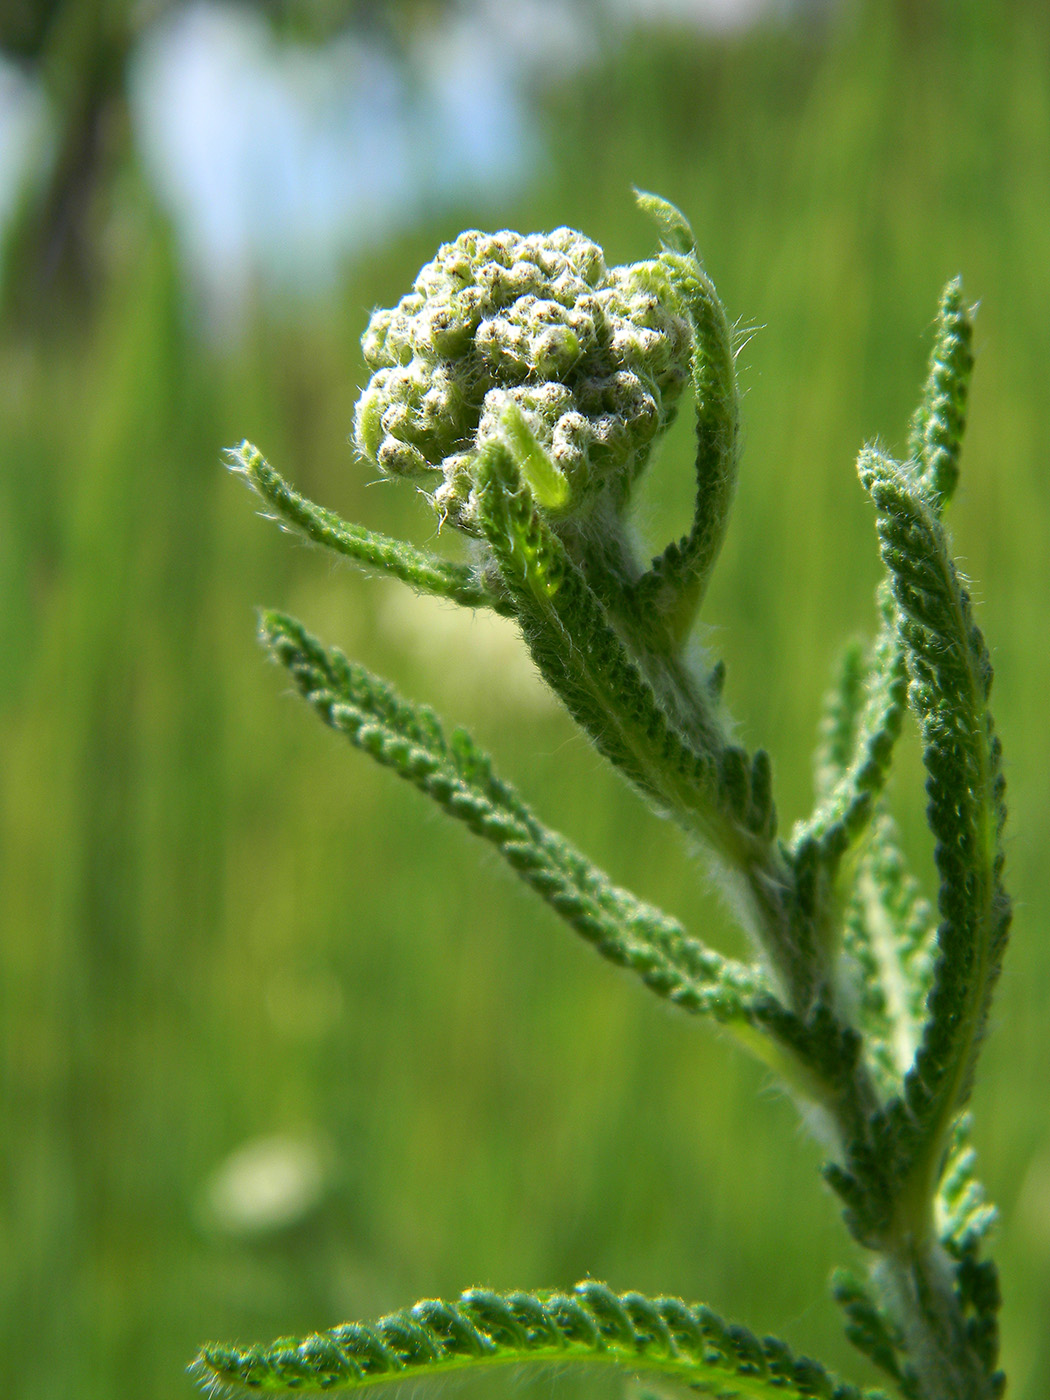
column 870, row 1331
column 661, row 1336
column 210, row 932
column 426, row 573
column 459, row 777
column 862, row 721
column 888, row 929
column 856, row 1009
column 940, row 420
column 602, row 685
column 951, row 679
column 674, row 586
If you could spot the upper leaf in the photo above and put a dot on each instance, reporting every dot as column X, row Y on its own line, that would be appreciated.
column 951, row 679
column 940, row 420
column 889, row 932
column 667, row 742
column 863, row 714
column 586, row 662
column 871, row 1331
column 673, row 589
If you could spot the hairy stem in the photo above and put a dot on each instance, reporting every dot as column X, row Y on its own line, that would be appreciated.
column 917, row 1285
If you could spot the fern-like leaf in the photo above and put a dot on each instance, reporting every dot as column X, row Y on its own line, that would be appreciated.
column 964, row 1214
column 940, row 420
column 674, row 587
column 840, row 714
column 692, row 775
column 482, row 1329
column 585, row 662
column 889, row 933
column 426, row 573
column 951, row 679
column 977, row 1289
column 864, row 711
column 711, row 787
column 871, row 1331
column 861, row 724
column 458, row 776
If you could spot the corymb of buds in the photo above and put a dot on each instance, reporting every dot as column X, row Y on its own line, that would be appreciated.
column 532, row 339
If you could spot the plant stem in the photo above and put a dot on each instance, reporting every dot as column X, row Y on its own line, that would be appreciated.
column 915, row 1280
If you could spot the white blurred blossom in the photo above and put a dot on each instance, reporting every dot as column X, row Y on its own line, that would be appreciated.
column 267, row 1185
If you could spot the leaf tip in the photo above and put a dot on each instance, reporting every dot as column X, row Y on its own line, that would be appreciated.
column 675, row 232
column 242, row 459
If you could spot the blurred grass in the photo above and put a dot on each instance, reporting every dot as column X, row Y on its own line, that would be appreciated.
column 219, row 926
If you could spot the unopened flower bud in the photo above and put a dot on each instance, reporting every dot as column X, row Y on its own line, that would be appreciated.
column 593, row 360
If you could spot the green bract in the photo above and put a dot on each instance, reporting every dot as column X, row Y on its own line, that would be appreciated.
column 594, row 358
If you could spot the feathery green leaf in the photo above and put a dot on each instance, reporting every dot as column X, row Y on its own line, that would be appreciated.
column 863, row 712
column 940, row 420
column 481, row 1329
column 977, row 1289
column 870, row 1331
column 888, row 933
column 692, row 775
column 426, row 573
column 674, row 587
column 459, row 777
column 951, row 678
column 839, row 718
column 862, row 721
column 964, row 1214
column 675, row 232
column 583, row 659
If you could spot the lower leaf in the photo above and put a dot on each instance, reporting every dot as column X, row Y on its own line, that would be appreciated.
column 684, row 1342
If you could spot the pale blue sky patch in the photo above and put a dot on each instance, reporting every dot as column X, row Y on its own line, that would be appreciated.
column 277, row 162
column 473, row 131
column 22, row 133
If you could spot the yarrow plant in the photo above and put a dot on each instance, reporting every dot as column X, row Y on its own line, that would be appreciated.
column 523, row 384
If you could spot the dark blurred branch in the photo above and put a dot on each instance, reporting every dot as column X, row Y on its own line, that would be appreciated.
column 51, row 253
column 24, row 25
column 315, row 21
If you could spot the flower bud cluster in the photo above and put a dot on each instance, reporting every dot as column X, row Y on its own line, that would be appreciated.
column 594, row 357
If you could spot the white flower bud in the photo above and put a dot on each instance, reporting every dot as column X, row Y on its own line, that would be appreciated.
column 595, row 359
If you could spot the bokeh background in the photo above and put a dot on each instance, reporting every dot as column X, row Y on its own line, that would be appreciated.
column 279, row 1046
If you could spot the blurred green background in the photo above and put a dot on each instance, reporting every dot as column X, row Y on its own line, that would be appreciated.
column 279, row 1046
